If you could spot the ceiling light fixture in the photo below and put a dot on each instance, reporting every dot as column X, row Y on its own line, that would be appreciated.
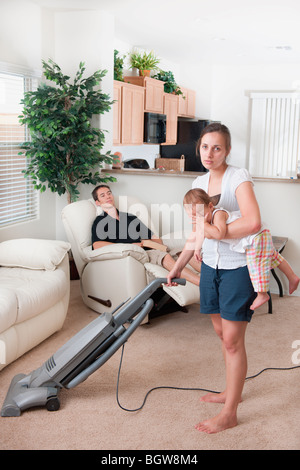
column 281, row 48
column 284, row 48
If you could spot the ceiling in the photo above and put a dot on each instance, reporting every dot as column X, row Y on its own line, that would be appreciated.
column 217, row 31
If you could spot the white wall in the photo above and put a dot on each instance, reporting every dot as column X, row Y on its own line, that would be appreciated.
column 229, row 103
column 21, row 44
column 20, row 33
column 199, row 77
column 85, row 36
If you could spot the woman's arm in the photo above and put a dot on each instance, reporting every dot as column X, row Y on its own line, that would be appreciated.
column 183, row 259
column 250, row 221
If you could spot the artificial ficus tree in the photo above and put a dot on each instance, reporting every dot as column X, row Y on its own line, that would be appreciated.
column 65, row 149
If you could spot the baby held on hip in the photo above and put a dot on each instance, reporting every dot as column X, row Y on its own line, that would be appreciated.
column 260, row 253
column 261, row 258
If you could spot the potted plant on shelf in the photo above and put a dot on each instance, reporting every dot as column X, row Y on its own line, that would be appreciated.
column 170, row 86
column 144, row 62
column 64, row 149
column 118, row 66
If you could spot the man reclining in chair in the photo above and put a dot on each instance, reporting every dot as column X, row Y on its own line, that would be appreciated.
column 113, row 226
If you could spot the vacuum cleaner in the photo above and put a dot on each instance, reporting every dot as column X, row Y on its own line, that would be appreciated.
column 81, row 356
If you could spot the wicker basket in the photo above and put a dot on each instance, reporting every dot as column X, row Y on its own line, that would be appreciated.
column 170, row 163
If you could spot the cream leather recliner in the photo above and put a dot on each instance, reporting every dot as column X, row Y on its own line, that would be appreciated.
column 111, row 275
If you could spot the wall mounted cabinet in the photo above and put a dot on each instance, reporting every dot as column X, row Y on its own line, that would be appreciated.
column 117, row 108
column 170, row 109
column 187, row 106
column 144, row 94
column 128, row 114
column 154, row 92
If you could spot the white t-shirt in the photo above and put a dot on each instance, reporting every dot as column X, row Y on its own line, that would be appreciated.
column 218, row 253
column 232, row 178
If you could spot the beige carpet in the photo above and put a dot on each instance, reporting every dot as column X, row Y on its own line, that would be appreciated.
column 178, row 350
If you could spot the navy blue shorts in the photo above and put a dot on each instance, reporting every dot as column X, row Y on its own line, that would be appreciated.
column 228, row 292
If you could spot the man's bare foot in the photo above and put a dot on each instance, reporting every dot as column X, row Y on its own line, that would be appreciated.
column 261, row 298
column 217, row 424
column 293, row 284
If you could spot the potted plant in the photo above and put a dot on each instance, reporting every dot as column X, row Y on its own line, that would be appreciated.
column 64, row 150
column 144, row 62
column 170, row 86
column 118, row 66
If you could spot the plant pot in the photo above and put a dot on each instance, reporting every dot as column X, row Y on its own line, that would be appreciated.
column 144, row 73
column 118, row 160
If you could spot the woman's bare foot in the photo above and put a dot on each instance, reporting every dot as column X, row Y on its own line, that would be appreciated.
column 217, row 424
column 214, row 397
column 261, row 298
column 293, row 284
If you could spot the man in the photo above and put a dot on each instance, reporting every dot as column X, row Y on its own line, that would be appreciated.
column 113, row 226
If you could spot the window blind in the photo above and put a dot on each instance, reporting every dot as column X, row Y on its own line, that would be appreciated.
column 18, row 198
column 274, row 134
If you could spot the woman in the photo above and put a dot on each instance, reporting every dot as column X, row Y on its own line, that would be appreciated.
column 229, row 301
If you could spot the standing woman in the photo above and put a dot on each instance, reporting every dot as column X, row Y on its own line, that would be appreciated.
column 226, row 291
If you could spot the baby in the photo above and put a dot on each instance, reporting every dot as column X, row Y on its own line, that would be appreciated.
column 260, row 253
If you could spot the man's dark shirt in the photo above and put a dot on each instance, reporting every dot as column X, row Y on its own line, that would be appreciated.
column 129, row 229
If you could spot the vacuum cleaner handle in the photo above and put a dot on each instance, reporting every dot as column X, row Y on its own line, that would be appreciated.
column 164, row 280
column 180, row 281
column 125, row 334
column 142, row 301
column 133, row 306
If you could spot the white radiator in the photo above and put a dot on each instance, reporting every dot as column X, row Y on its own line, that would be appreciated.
column 273, row 134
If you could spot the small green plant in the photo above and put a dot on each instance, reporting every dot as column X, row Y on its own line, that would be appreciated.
column 64, row 150
column 143, row 61
column 170, row 86
column 118, row 66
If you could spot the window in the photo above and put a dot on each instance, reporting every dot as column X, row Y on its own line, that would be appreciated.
column 274, row 133
column 18, row 198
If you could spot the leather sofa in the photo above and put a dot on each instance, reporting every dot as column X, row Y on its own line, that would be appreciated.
column 34, row 293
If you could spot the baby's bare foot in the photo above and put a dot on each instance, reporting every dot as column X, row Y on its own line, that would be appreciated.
column 262, row 298
column 293, row 284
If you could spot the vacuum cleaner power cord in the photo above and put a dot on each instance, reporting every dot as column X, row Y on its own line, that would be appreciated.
column 182, row 388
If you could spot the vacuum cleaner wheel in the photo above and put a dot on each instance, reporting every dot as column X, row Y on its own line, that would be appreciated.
column 53, row 404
